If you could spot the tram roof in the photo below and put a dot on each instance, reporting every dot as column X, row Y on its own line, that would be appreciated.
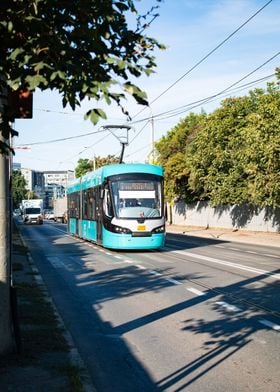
column 96, row 177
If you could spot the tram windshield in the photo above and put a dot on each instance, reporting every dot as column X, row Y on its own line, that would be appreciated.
column 137, row 198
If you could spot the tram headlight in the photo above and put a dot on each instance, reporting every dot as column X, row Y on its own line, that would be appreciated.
column 121, row 230
column 159, row 230
column 116, row 229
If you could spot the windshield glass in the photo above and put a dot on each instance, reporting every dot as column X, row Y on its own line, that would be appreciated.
column 137, row 198
column 32, row 210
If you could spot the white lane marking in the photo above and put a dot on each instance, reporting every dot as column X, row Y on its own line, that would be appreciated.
column 229, row 264
column 271, row 325
column 108, row 253
column 55, row 262
column 269, row 255
column 118, row 257
column 173, row 281
column 128, row 261
column 155, row 273
column 252, row 252
column 230, row 308
column 140, row 266
column 195, row 291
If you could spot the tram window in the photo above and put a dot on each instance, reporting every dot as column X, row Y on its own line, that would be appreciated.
column 73, row 206
column 88, row 205
column 107, row 203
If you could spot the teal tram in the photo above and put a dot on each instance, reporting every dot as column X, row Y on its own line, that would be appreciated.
column 119, row 206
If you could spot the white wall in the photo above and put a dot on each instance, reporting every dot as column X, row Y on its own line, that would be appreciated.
column 242, row 217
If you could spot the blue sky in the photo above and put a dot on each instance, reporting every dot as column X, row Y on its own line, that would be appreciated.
column 190, row 29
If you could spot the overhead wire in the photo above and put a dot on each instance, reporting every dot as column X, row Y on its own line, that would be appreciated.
column 208, row 99
column 181, row 109
column 192, row 105
column 206, row 56
column 62, row 139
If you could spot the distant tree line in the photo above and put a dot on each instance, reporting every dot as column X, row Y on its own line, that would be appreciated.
column 87, row 165
column 231, row 156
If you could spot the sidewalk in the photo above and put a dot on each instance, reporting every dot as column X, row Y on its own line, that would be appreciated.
column 46, row 358
column 249, row 237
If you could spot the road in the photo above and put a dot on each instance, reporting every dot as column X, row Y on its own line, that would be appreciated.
column 199, row 315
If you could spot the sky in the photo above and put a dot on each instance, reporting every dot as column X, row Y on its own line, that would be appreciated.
column 204, row 56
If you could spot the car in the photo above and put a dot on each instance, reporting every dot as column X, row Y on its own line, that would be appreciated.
column 49, row 215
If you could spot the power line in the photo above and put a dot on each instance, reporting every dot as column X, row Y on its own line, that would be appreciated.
column 86, row 148
column 63, row 139
column 206, row 56
column 190, row 106
column 181, row 109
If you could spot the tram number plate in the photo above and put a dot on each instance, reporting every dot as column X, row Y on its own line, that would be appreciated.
column 141, row 227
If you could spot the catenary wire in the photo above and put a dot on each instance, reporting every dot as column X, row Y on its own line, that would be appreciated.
column 63, row 139
column 212, row 97
column 206, row 56
column 183, row 108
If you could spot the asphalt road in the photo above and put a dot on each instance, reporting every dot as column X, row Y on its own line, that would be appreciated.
column 199, row 315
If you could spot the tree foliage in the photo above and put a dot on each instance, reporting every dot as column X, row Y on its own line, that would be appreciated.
column 83, row 49
column 231, row 156
column 19, row 190
column 86, row 165
column 171, row 154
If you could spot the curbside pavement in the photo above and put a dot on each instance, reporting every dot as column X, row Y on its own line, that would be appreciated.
column 244, row 236
column 52, row 366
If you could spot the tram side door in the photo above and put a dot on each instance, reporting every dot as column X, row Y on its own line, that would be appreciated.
column 99, row 215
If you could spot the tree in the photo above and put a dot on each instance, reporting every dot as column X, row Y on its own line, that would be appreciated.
column 83, row 49
column 87, row 165
column 171, row 154
column 230, row 156
column 19, row 190
column 83, row 166
column 235, row 159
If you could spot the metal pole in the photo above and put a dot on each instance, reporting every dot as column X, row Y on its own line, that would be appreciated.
column 6, row 339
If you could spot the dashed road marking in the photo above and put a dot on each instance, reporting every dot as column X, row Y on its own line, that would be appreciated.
column 229, row 307
column 174, row 281
column 271, row 325
column 269, row 255
column 195, row 291
column 140, row 266
column 155, row 273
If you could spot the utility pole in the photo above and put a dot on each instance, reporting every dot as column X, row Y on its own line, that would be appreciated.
column 6, row 336
column 153, row 139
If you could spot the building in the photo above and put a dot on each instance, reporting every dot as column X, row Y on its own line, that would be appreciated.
column 47, row 184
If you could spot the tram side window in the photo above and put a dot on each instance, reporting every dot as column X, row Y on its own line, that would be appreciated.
column 88, row 205
column 107, row 203
column 74, row 205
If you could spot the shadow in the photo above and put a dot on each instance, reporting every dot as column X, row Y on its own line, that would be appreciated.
column 186, row 241
column 80, row 293
column 274, row 214
column 243, row 214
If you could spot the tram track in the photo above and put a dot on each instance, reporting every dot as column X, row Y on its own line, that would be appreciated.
column 210, row 288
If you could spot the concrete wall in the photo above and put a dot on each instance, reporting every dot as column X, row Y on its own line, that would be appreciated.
column 245, row 217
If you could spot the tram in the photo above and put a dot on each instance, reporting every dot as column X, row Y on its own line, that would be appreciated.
column 119, row 206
